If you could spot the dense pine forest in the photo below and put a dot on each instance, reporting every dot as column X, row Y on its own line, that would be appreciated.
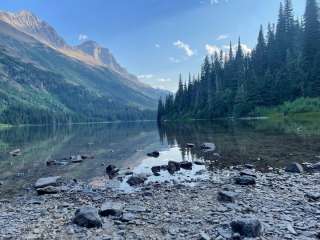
column 284, row 66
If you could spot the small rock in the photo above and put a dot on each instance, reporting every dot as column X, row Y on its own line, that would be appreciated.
column 87, row 217
column 44, row 182
column 154, row 154
column 227, row 196
column 247, row 227
column 111, row 209
column 15, row 153
column 87, row 156
column 313, row 196
column 245, row 180
column 186, row 165
column 208, row 146
column 136, row 180
column 294, row 168
column 127, row 217
column 173, row 167
column 77, row 159
column 112, row 171
column 190, row 145
column 316, row 167
column 156, row 169
column 248, row 172
column 201, row 163
column 48, row 190
column 204, row 236
column 249, row 166
column 236, row 236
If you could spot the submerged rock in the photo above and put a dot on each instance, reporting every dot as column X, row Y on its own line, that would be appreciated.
column 77, row 159
column 87, row 217
column 136, row 180
column 294, row 168
column 111, row 209
column 49, row 181
column 190, row 145
column 154, row 154
column 245, row 180
column 247, row 227
column 15, row 153
column 208, row 146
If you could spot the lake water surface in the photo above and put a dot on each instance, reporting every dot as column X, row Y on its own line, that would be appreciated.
column 260, row 142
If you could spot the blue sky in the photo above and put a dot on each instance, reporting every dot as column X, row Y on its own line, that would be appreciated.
column 157, row 39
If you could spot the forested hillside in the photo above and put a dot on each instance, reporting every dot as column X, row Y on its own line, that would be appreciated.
column 284, row 66
column 41, row 84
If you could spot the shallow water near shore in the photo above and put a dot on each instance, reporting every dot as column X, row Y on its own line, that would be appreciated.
column 263, row 143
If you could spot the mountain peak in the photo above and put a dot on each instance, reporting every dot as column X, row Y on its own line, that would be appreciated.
column 25, row 13
column 29, row 23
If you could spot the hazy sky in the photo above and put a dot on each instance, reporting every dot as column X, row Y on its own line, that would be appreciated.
column 157, row 39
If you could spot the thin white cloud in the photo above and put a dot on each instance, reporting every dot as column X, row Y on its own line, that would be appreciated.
column 145, row 76
column 82, row 37
column 222, row 37
column 157, row 45
column 212, row 49
column 187, row 49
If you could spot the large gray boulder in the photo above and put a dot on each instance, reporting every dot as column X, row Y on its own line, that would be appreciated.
column 87, row 217
column 48, row 181
column 247, row 227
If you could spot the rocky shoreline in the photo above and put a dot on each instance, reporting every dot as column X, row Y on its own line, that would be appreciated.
column 231, row 204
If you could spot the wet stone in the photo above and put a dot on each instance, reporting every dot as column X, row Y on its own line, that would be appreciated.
column 44, row 182
column 208, row 146
column 190, row 145
column 248, row 172
column 227, row 196
column 294, row 168
column 127, row 217
column 245, row 180
column 173, row 167
column 186, row 165
column 112, row 171
column 154, row 154
column 313, row 196
column 110, row 208
column 247, row 227
column 136, row 180
column 87, row 217
column 48, row 190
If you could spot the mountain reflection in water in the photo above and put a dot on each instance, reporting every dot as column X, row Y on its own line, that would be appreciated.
column 263, row 143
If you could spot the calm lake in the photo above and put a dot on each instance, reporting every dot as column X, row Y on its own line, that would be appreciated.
column 260, row 142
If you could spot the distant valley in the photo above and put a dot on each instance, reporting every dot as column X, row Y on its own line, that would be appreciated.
column 44, row 80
